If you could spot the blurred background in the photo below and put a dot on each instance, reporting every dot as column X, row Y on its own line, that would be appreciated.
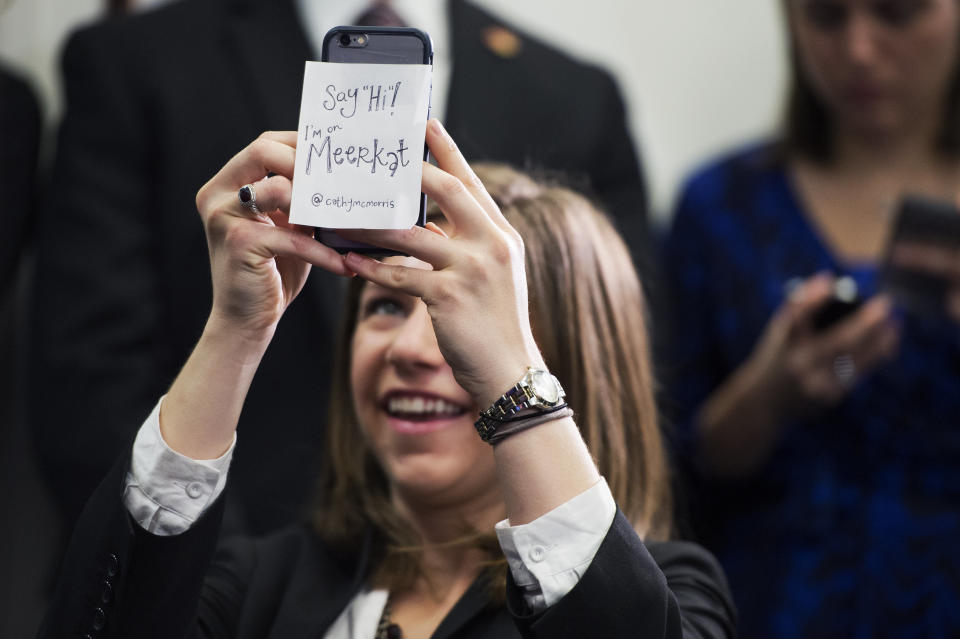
column 689, row 69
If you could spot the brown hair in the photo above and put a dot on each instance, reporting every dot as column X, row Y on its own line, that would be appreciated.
column 588, row 311
column 808, row 128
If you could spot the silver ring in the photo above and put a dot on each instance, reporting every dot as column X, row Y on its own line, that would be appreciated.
column 844, row 369
column 248, row 198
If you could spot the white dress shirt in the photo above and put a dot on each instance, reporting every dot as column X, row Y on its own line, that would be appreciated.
column 166, row 493
column 430, row 16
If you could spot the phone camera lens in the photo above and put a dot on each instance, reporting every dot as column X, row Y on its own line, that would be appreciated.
column 345, row 40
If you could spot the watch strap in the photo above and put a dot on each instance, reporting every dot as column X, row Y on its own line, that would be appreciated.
column 492, row 430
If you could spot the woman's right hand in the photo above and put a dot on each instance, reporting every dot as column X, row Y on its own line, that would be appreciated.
column 794, row 371
column 259, row 262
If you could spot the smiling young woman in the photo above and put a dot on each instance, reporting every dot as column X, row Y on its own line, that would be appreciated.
column 588, row 315
column 427, row 525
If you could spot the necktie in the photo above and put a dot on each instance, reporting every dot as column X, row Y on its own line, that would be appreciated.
column 380, row 14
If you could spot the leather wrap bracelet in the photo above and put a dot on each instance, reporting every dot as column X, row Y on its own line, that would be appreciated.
column 494, row 431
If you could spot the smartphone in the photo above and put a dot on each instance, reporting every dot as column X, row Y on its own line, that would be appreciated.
column 844, row 300
column 375, row 45
column 932, row 227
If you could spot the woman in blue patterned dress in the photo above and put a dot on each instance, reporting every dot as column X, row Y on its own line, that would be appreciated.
column 827, row 462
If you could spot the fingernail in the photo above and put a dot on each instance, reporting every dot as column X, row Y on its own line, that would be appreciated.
column 442, row 132
column 356, row 258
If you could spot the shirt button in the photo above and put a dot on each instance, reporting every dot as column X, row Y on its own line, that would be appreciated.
column 538, row 553
column 194, row 489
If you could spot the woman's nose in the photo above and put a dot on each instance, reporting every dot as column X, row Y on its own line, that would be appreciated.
column 414, row 346
column 860, row 38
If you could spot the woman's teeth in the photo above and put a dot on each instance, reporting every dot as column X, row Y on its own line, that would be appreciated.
column 422, row 407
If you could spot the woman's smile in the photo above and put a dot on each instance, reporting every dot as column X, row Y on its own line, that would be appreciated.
column 413, row 412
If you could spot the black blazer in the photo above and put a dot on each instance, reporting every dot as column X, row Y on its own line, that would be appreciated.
column 120, row 581
column 155, row 104
column 19, row 146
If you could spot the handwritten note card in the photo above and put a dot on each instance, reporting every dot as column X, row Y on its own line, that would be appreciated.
column 360, row 145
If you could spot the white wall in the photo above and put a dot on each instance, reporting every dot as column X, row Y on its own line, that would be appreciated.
column 699, row 76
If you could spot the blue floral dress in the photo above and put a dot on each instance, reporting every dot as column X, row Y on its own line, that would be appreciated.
column 852, row 528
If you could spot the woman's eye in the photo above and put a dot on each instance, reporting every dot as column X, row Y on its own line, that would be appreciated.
column 383, row 306
column 899, row 13
column 825, row 15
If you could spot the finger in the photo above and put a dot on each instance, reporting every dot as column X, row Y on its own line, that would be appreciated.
column 416, row 241
column 847, row 334
column 450, row 159
column 262, row 156
column 876, row 347
column 283, row 137
column 276, row 241
column 270, row 195
column 807, row 298
column 456, row 202
column 430, row 226
column 412, row 281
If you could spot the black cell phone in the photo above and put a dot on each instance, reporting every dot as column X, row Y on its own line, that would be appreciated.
column 932, row 225
column 842, row 303
column 375, row 45
column 844, row 300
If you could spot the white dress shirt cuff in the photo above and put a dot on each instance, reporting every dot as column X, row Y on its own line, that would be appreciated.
column 166, row 492
column 548, row 556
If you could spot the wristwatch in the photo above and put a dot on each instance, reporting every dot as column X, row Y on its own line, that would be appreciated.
column 537, row 392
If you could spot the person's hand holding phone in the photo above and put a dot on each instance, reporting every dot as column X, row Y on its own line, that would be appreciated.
column 476, row 291
column 806, row 365
column 795, row 370
column 259, row 261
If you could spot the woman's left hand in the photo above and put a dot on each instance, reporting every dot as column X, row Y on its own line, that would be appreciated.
column 477, row 291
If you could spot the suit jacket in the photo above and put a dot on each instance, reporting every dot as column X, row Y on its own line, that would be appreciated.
column 155, row 105
column 120, row 581
column 20, row 136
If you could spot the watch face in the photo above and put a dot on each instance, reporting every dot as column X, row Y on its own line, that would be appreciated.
column 545, row 386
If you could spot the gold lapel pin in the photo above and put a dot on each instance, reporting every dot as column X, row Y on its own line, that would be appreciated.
column 502, row 41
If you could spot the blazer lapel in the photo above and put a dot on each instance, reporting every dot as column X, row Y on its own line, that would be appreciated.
column 476, row 601
column 320, row 588
column 483, row 106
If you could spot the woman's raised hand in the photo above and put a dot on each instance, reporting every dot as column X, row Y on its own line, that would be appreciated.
column 476, row 292
column 259, row 261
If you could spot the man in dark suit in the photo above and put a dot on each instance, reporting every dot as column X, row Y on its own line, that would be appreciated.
column 20, row 135
column 155, row 104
